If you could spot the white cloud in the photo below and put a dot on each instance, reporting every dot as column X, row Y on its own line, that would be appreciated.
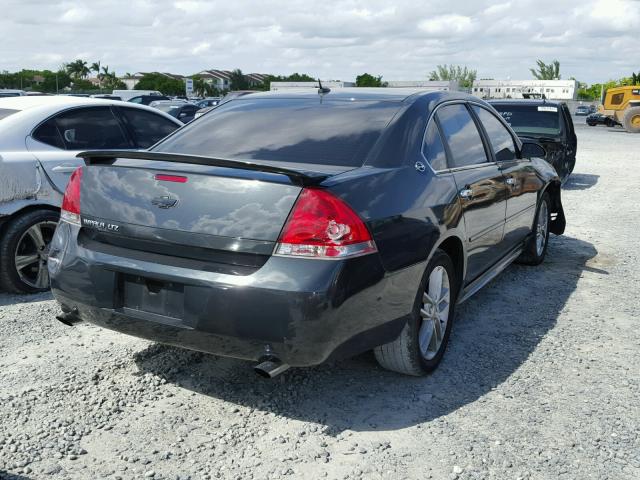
column 331, row 40
column 444, row 25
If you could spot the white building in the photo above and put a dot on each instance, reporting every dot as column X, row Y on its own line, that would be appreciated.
column 551, row 89
column 428, row 85
column 221, row 79
column 303, row 85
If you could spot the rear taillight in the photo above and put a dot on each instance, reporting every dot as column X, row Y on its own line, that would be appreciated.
column 323, row 226
column 71, row 202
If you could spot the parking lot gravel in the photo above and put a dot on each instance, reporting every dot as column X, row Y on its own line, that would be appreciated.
column 541, row 379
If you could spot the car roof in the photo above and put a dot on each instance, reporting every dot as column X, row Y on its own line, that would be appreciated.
column 27, row 102
column 526, row 101
column 352, row 94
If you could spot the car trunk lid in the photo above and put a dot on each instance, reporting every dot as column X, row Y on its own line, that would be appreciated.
column 198, row 209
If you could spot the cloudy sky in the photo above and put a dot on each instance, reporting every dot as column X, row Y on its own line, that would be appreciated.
column 402, row 40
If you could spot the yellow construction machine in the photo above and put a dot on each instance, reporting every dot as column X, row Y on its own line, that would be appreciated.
column 622, row 106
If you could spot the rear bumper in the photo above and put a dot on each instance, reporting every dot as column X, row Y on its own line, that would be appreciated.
column 299, row 310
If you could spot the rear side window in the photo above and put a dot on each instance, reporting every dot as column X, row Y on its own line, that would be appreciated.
column 433, row 148
column 136, row 100
column 147, row 128
column 48, row 133
column 462, row 136
column 90, row 128
column 335, row 132
column 500, row 138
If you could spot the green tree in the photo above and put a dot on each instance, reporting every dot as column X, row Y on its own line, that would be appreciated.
column 368, row 80
column 204, row 89
column 463, row 75
column 294, row 77
column 546, row 72
column 635, row 78
column 238, row 81
column 162, row 83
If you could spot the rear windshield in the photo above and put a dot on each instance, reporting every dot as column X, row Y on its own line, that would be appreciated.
column 5, row 112
column 538, row 119
column 286, row 130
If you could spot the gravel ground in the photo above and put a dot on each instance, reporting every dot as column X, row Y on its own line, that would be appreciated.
column 541, row 380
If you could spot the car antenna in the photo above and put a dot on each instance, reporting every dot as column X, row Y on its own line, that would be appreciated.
column 322, row 90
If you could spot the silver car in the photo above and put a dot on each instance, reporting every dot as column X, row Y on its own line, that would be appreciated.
column 39, row 140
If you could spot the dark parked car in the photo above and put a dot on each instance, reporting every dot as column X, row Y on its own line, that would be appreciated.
column 208, row 102
column 344, row 222
column 147, row 99
column 545, row 122
column 594, row 119
column 583, row 110
column 183, row 111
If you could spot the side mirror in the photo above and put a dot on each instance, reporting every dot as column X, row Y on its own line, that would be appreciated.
column 530, row 150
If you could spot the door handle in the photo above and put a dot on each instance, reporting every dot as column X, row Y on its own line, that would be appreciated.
column 510, row 181
column 466, row 193
column 64, row 168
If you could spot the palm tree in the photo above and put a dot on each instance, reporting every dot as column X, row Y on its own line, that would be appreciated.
column 95, row 67
column 78, row 69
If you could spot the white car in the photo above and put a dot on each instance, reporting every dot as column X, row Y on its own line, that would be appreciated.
column 39, row 140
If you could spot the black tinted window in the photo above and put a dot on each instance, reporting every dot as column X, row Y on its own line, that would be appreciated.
column 286, row 130
column 462, row 136
column 537, row 119
column 90, row 128
column 48, row 133
column 136, row 100
column 500, row 138
column 147, row 127
column 433, row 148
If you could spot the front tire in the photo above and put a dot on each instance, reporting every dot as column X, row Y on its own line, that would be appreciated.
column 631, row 120
column 420, row 346
column 24, row 247
column 536, row 248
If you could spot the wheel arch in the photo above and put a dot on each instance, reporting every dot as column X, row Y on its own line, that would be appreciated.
column 7, row 219
column 558, row 221
column 453, row 246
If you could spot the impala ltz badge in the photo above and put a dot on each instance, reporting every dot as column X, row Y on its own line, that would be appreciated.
column 164, row 202
column 100, row 225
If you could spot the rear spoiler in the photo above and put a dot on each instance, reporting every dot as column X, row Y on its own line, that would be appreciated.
column 107, row 157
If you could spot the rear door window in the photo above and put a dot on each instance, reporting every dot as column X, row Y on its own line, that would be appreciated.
column 48, row 133
column 91, row 128
column 462, row 136
column 501, row 140
column 433, row 148
column 146, row 127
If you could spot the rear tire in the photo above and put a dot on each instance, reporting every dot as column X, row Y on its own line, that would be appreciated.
column 25, row 242
column 536, row 248
column 631, row 120
column 420, row 346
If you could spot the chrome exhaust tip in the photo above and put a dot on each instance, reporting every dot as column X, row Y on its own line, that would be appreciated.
column 270, row 367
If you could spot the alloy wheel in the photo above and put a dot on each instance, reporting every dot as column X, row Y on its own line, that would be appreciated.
column 436, row 302
column 31, row 254
column 541, row 228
